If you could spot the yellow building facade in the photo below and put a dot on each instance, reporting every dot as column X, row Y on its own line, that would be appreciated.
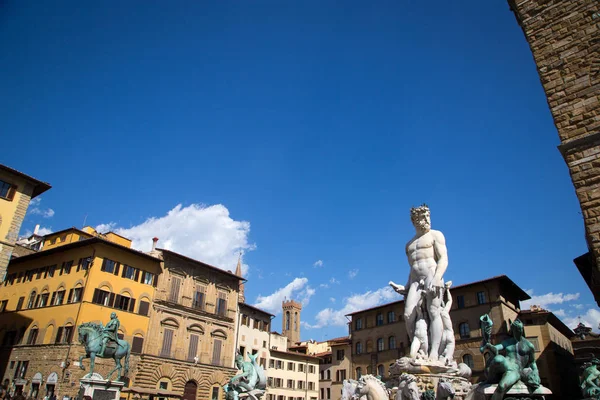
column 16, row 191
column 80, row 276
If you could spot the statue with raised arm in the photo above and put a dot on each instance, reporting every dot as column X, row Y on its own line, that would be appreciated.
column 110, row 332
column 517, row 363
column 251, row 381
column 428, row 260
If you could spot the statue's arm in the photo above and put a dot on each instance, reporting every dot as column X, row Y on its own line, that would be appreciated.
column 494, row 348
column 245, row 373
column 441, row 252
column 448, row 305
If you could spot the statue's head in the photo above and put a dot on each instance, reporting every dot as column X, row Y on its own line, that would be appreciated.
column 239, row 361
column 516, row 328
column 421, row 217
column 113, row 315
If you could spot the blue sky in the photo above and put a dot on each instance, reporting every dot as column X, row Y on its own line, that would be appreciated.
column 298, row 132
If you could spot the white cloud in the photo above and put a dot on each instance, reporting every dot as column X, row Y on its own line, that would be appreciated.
column 560, row 313
column 324, row 285
column 352, row 273
column 296, row 289
column 205, row 233
column 334, row 281
column 356, row 302
column 35, row 209
column 43, row 231
column 577, row 306
column 318, row 263
column 591, row 319
column 332, row 299
column 103, row 228
column 547, row 299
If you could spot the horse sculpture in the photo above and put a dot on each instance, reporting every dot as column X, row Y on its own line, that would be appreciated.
column 372, row 388
column 90, row 335
column 349, row 390
column 408, row 388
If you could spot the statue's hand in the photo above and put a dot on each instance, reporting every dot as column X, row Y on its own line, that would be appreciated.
column 398, row 288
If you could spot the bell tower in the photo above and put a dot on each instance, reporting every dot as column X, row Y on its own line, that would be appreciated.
column 291, row 321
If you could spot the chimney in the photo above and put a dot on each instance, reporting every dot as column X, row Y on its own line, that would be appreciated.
column 37, row 229
column 154, row 240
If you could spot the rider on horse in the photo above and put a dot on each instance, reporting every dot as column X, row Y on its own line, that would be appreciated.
column 109, row 332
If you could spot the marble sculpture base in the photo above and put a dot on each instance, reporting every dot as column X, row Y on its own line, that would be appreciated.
column 100, row 389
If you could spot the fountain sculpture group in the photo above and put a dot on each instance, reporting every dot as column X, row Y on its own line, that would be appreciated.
column 511, row 372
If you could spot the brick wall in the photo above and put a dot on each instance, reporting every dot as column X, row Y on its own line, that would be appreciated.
column 564, row 37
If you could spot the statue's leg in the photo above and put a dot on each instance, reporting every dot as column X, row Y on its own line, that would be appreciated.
column 81, row 360
column 101, row 353
column 436, row 327
column 414, row 347
column 92, row 359
column 410, row 313
column 507, row 381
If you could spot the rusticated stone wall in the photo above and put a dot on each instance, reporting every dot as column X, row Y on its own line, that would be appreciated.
column 564, row 37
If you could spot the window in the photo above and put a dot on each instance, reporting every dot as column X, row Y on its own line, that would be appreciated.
column 322, row 393
column 33, row 334
column 165, row 350
column 379, row 320
column 222, row 304
column 311, row 386
column 110, row 266
column 328, row 375
column 3, row 305
column 380, row 344
column 340, row 375
column 300, row 367
column 51, row 270
column 124, row 303
column 461, row 301
column 20, row 303
column 144, row 308
column 84, row 263
column 340, row 355
column 130, row 272
column 391, row 317
column 137, row 344
column 174, row 293
column 290, row 384
column 101, row 297
column 271, row 363
column 359, row 348
column 264, row 343
column 328, row 393
column 464, row 330
column 43, row 301
column 256, row 324
column 358, row 373
column 392, row 342
column 290, row 366
column 279, row 364
column 64, row 334
column 480, row 297
column 358, row 325
column 75, row 295
column 148, row 278
column 311, row 369
column 31, row 302
column 7, row 191
column 468, row 359
column 199, row 298
column 58, row 298
column 245, row 320
column 380, row 370
column 66, row 267
column 300, row 384
column 193, row 349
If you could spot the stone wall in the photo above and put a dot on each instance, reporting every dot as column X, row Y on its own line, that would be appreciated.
column 564, row 37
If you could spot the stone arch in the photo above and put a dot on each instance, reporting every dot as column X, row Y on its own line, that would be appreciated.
column 219, row 333
column 61, row 286
column 165, row 371
column 170, row 322
column 138, row 332
column 196, row 328
column 79, row 283
column 46, row 288
column 127, row 291
column 49, row 332
column 145, row 296
column 70, row 321
column 105, row 284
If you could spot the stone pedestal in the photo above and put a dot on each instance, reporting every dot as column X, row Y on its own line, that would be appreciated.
column 484, row 391
column 100, row 389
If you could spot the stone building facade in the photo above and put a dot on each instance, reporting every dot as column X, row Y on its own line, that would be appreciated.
column 253, row 333
column 16, row 191
column 379, row 334
column 192, row 332
column 564, row 37
column 335, row 365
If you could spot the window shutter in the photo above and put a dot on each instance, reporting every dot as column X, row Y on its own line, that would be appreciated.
column 131, row 304
column 144, row 307
column 81, row 294
column 69, row 334
column 117, row 266
column 193, row 350
column 70, row 296
column 216, row 360
column 137, row 275
column 174, row 295
column 79, row 264
column 137, row 344
column 96, row 299
column 166, row 345
column 61, row 268
column 59, row 334
column 124, row 270
column 111, row 300
column 52, row 299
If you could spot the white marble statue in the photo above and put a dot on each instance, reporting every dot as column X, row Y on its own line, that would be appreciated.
column 428, row 259
column 448, row 342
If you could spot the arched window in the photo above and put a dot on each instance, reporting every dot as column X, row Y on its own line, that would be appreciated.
column 464, row 330
column 287, row 320
column 392, row 342
column 380, row 371
column 329, row 374
column 379, row 320
column 358, row 373
column 296, row 321
column 380, row 344
column 468, row 359
column 369, row 370
column 359, row 348
column 31, row 302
